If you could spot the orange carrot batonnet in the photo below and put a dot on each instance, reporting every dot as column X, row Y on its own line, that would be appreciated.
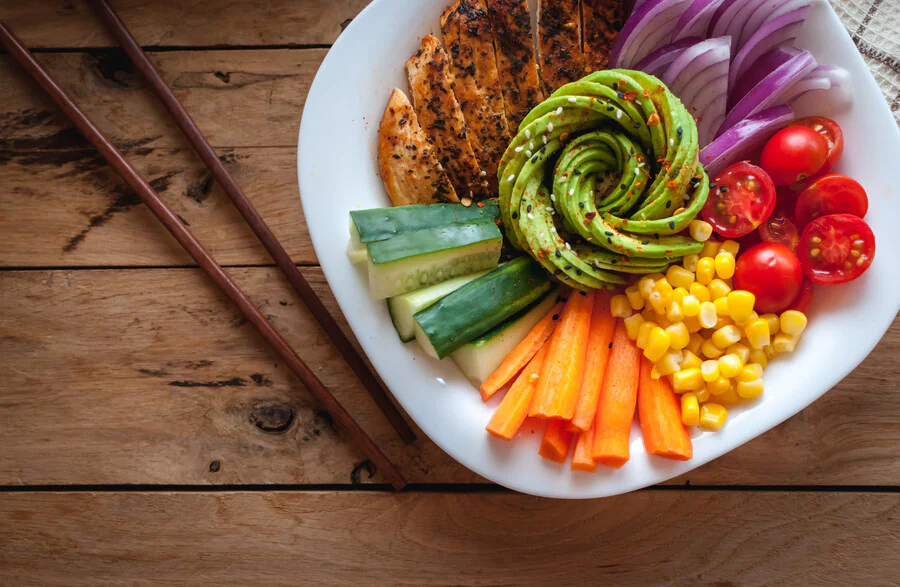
column 511, row 412
column 618, row 396
column 519, row 357
column 659, row 410
column 582, row 459
column 557, row 388
column 598, row 348
column 555, row 445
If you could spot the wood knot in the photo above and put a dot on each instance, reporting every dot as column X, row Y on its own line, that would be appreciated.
column 215, row 466
column 356, row 474
column 272, row 417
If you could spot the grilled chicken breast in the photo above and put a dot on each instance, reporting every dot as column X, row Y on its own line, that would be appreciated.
column 601, row 21
column 469, row 40
column 516, row 63
column 406, row 160
column 559, row 43
column 431, row 85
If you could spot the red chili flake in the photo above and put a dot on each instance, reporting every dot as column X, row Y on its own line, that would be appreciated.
column 672, row 184
column 630, row 95
column 590, row 215
column 653, row 120
column 480, row 204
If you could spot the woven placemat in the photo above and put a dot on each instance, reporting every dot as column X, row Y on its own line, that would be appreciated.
column 874, row 25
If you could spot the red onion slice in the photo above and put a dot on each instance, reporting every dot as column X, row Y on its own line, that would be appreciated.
column 825, row 78
column 767, row 12
column 723, row 16
column 738, row 24
column 694, row 22
column 760, row 69
column 648, row 28
column 656, row 62
column 779, row 32
column 741, row 140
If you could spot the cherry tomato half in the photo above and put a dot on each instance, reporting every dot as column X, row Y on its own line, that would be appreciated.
column 831, row 194
column 780, row 228
column 793, row 154
column 742, row 199
column 772, row 273
column 836, row 248
column 832, row 134
column 804, row 298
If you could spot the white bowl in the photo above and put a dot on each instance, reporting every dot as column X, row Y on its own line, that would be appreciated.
column 337, row 171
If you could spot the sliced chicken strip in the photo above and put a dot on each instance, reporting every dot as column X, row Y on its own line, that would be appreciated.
column 469, row 39
column 601, row 21
column 559, row 43
column 516, row 62
column 406, row 160
column 431, row 85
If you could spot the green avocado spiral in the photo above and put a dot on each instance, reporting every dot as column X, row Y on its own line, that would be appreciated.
column 601, row 177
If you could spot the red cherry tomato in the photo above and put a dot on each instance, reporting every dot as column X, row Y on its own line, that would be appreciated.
column 793, row 154
column 742, row 199
column 832, row 134
column 836, row 248
column 772, row 273
column 780, row 228
column 804, row 298
column 831, row 194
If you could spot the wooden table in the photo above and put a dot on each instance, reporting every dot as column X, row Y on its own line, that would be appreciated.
column 149, row 435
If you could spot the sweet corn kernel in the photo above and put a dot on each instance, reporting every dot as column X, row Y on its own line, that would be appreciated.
column 792, row 322
column 750, row 372
column 783, row 343
column 722, row 307
column 654, row 373
column 708, row 315
column 759, row 357
column 740, row 305
column 730, row 246
column 692, row 323
column 633, row 325
column 700, row 230
column 724, row 265
column 718, row 289
column 656, row 302
column 709, row 370
column 678, row 335
column 710, row 248
column 678, row 294
column 687, row 379
column 700, row 291
column 773, row 322
column 670, row 363
column 620, row 307
column 710, row 350
column 770, row 351
column 678, row 276
column 690, row 305
column 695, row 342
column 689, row 360
column 657, row 344
column 713, row 416
column 634, row 297
column 726, row 336
column 702, row 395
column 706, row 270
column 674, row 312
column 730, row 365
column 645, row 286
column 665, row 290
column 749, row 389
column 757, row 332
column 719, row 386
column 644, row 331
column 741, row 350
column 690, row 262
column 690, row 409
column 730, row 397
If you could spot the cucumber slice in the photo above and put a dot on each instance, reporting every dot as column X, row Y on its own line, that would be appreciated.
column 420, row 258
column 481, row 357
column 356, row 250
column 478, row 306
column 404, row 306
column 380, row 224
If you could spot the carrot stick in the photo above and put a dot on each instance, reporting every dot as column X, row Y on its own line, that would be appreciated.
column 598, row 348
column 659, row 410
column 582, row 460
column 511, row 412
column 555, row 445
column 519, row 357
column 618, row 396
column 556, row 395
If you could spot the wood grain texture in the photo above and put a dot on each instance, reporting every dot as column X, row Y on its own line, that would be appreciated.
column 237, row 98
column 175, row 23
column 150, row 376
column 678, row 538
column 69, row 208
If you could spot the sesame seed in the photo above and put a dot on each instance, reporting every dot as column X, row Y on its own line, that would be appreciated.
column 528, row 208
column 571, row 192
column 528, row 153
column 679, row 130
column 567, row 267
column 549, row 127
column 671, row 142
column 559, row 111
column 515, row 215
column 527, row 134
column 619, row 114
column 610, row 108
column 531, row 145
column 645, row 242
column 581, row 204
column 672, row 224
column 637, row 125
column 558, row 254
column 572, row 99
column 534, row 159
column 519, row 149
column 510, row 178
column 531, row 217
column 552, row 197
column 482, row 173
column 544, row 138
column 578, row 271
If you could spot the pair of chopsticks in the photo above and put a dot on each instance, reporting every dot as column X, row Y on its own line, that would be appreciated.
column 187, row 240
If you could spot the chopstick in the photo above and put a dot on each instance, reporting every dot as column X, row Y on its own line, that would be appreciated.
column 187, row 240
column 256, row 222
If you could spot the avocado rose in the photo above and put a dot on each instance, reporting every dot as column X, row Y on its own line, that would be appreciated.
column 601, row 178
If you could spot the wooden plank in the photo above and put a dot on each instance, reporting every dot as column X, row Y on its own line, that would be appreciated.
column 150, row 377
column 237, row 98
column 62, row 23
column 374, row 538
column 69, row 208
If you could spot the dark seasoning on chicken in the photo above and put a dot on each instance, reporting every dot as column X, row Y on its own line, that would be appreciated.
column 559, row 43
